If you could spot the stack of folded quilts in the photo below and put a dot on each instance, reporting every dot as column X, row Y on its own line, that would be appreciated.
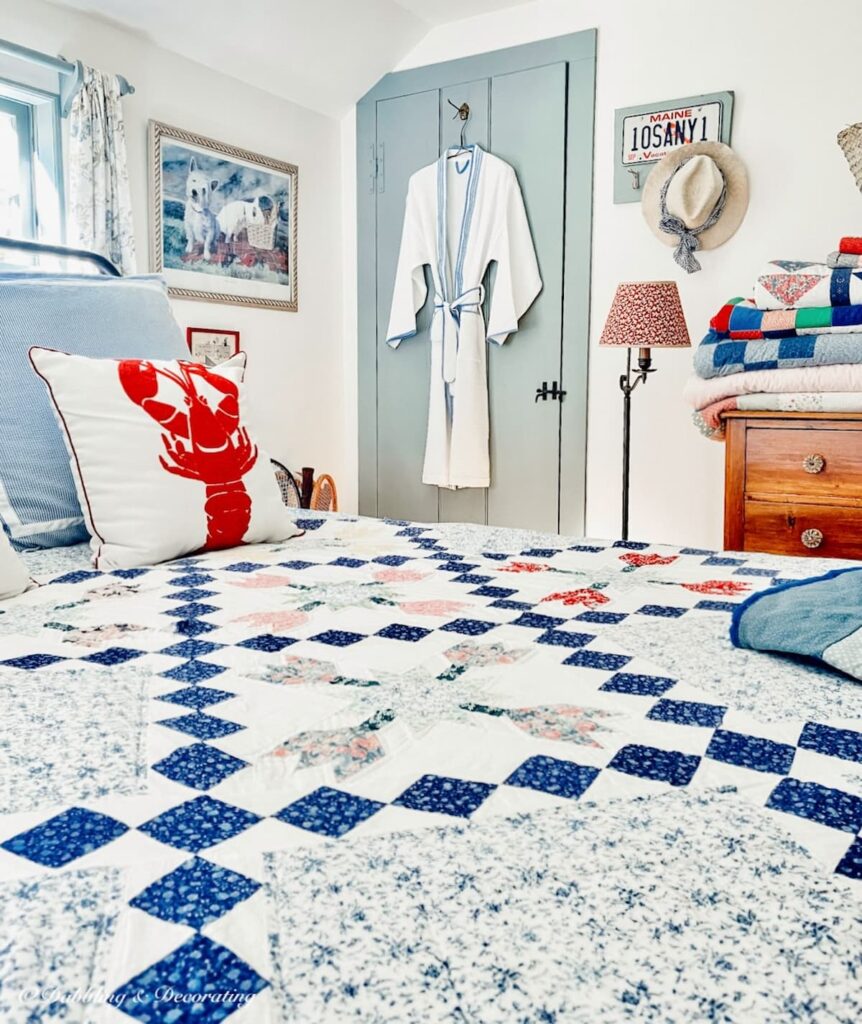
column 795, row 346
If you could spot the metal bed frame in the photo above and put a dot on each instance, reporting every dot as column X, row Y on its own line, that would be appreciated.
column 64, row 251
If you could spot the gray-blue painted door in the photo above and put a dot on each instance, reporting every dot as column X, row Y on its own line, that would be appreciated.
column 520, row 117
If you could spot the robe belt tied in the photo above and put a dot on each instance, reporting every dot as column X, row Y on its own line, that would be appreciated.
column 469, row 301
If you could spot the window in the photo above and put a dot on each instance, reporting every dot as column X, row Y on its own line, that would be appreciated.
column 31, row 190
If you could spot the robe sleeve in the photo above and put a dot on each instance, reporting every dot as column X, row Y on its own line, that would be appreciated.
column 410, row 291
column 517, row 282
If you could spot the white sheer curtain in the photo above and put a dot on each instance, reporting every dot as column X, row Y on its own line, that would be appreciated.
column 100, row 208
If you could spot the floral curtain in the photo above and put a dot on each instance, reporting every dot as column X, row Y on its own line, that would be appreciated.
column 100, row 208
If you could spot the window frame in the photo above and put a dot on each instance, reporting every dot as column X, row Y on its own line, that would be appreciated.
column 38, row 112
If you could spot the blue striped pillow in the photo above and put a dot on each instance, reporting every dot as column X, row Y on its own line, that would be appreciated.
column 122, row 318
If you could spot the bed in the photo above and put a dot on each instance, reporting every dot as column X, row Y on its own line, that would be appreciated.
column 401, row 772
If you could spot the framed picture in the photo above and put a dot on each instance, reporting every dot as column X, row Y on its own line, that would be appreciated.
column 211, row 347
column 223, row 221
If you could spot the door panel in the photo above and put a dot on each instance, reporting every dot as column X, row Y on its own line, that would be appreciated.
column 528, row 130
column 468, row 504
column 407, row 139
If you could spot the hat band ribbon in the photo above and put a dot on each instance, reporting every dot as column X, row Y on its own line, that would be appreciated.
column 689, row 242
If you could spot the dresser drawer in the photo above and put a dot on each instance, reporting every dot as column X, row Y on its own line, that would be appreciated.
column 779, row 528
column 816, row 463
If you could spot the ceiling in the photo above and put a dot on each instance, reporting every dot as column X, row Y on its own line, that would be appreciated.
column 323, row 54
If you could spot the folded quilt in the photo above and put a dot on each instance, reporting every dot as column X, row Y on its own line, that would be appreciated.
column 817, row 618
column 844, row 259
column 845, row 377
column 797, row 284
column 851, row 244
column 740, row 318
column 716, row 356
column 710, row 420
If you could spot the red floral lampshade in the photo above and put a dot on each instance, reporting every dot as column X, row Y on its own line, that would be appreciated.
column 646, row 314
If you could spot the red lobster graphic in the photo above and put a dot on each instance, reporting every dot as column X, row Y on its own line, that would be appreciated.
column 202, row 438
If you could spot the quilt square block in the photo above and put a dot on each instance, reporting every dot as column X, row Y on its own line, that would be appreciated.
column 554, row 776
column 598, row 659
column 826, row 739
column 66, row 837
column 193, row 672
column 329, row 812
column 113, row 656
column 32, row 661
column 267, row 642
column 687, row 712
column 338, row 638
column 831, row 807
column 663, row 611
column 204, row 727
column 754, row 752
column 532, row 620
column 444, row 795
column 564, row 638
column 199, row 766
column 195, row 894
column 198, row 824
column 850, row 864
column 401, row 631
column 640, row 685
column 469, row 627
column 197, row 696
column 200, row 967
column 652, row 763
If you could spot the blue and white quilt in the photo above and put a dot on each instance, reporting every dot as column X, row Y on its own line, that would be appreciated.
column 394, row 772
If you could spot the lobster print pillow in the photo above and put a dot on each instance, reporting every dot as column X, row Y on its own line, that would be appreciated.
column 162, row 457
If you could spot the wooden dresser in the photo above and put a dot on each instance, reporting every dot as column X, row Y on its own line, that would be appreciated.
column 793, row 483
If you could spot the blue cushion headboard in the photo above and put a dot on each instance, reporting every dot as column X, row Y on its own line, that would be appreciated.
column 118, row 318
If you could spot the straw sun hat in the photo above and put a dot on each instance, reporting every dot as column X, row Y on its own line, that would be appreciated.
column 695, row 198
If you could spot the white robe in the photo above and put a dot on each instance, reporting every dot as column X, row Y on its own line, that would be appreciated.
column 461, row 214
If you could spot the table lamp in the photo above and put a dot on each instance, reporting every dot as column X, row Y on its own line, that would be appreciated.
column 644, row 315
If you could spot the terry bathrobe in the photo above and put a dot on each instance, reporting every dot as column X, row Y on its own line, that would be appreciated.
column 461, row 214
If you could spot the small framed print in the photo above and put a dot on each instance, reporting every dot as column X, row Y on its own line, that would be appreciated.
column 211, row 347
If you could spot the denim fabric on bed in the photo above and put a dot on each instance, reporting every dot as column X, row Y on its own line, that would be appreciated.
column 83, row 314
column 816, row 618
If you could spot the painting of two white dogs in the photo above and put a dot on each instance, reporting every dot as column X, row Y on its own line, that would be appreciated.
column 225, row 217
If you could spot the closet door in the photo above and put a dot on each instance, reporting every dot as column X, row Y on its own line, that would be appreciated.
column 528, row 130
column 532, row 106
column 407, row 139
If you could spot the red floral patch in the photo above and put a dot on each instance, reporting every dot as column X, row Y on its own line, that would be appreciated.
column 586, row 596
column 636, row 559
column 525, row 567
column 718, row 587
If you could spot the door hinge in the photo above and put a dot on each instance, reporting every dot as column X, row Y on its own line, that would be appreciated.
column 555, row 393
column 377, row 168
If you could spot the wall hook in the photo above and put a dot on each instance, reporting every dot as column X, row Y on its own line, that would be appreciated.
column 636, row 178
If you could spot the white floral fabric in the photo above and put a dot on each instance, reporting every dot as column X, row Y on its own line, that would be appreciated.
column 100, row 205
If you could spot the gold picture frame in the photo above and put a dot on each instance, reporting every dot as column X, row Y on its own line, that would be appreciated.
column 225, row 217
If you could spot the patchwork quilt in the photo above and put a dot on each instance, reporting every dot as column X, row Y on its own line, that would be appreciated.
column 795, row 284
column 741, row 318
column 398, row 772
column 717, row 356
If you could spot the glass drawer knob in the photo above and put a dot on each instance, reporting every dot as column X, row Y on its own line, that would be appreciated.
column 812, row 538
column 813, row 463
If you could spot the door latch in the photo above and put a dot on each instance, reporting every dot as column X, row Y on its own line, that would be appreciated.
column 555, row 393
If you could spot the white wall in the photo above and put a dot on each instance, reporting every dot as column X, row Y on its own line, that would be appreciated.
column 295, row 359
column 793, row 68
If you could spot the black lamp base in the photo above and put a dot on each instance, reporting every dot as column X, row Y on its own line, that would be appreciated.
column 628, row 383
